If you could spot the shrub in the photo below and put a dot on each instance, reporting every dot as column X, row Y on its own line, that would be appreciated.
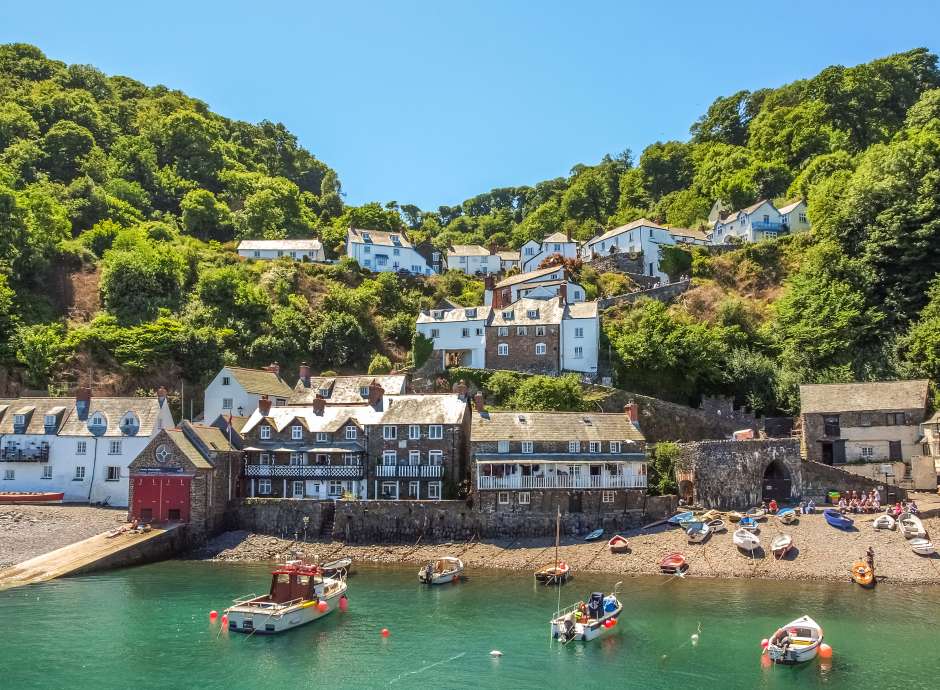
column 380, row 364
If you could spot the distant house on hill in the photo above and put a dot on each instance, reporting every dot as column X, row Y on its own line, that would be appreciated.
column 761, row 221
column 641, row 236
column 542, row 283
column 533, row 253
column 266, row 250
column 236, row 391
column 508, row 259
column 472, row 259
column 382, row 252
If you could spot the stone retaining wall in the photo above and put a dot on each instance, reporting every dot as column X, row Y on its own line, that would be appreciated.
column 619, row 262
column 663, row 293
column 280, row 517
column 819, row 479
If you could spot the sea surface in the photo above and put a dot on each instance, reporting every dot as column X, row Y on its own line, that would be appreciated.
column 148, row 627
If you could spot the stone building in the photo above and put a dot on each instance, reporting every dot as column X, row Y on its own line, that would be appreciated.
column 187, row 474
column 343, row 390
column 575, row 461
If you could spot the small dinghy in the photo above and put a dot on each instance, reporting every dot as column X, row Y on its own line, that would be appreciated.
column 340, row 566
column 717, row 526
column 757, row 514
column 586, row 621
column 735, row 516
column 698, row 532
column 781, row 545
column 749, row 523
column 557, row 574
column 679, row 518
column 441, row 571
column 796, row 642
column 595, row 535
column 31, row 497
column 911, row 526
column 618, row 544
column 673, row 564
column 922, row 546
column 786, row 515
column 883, row 522
column 745, row 540
column 837, row 519
column 862, row 574
column 710, row 515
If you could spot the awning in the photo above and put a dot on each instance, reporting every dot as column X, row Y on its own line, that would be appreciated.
column 535, row 460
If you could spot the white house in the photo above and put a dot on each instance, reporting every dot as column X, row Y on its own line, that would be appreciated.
column 689, row 236
column 641, row 235
column 508, row 259
column 533, row 253
column 543, row 283
column 236, row 391
column 459, row 334
column 81, row 447
column 793, row 216
column 761, row 221
column 472, row 259
column 580, row 338
column 299, row 250
column 380, row 252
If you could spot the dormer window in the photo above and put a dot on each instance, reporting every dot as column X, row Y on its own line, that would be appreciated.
column 130, row 424
column 507, row 315
column 49, row 421
column 324, row 392
column 366, row 237
column 532, row 313
column 394, row 239
column 19, row 420
column 437, row 314
column 470, row 313
column 363, row 391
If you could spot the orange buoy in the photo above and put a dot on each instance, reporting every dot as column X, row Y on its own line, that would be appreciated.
column 825, row 651
column 224, row 619
column 323, row 607
column 385, row 632
column 213, row 615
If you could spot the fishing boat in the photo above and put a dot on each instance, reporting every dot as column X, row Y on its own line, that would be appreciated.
column 679, row 518
column 559, row 572
column 31, row 497
column 745, row 540
column 618, row 544
column 735, row 516
column 757, row 514
column 883, row 522
column 781, row 545
column 837, row 519
column 673, row 564
column 586, row 621
column 911, row 526
column 749, row 523
column 339, row 566
column 595, row 535
column 710, row 515
column 862, row 574
column 300, row 594
column 786, row 515
column 796, row 642
column 717, row 526
column 698, row 532
column 922, row 546
column 441, row 571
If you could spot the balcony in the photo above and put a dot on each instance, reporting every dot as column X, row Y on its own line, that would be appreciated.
column 767, row 226
column 562, row 480
column 306, row 471
column 410, row 471
column 38, row 453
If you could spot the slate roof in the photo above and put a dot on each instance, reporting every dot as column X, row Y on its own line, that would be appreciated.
column 639, row 223
column 146, row 409
column 864, row 397
column 583, row 310
column 260, row 382
column 508, row 255
column 444, row 408
column 789, row 207
column 189, row 449
column 379, row 237
column 525, row 277
column 284, row 245
column 468, row 250
column 211, row 436
column 344, row 390
column 458, row 314
column 688, row 232
column 558, row 237
column 35, row 410
column 553, row 426
column 549, row 311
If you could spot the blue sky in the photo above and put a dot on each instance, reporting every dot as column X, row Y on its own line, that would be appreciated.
column 433, row 102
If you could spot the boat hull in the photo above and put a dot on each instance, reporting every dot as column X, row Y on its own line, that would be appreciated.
column 553, row 576
column 32, row 497
column 586, row 632
column 793, row 656
column 837, row 520
column 803, row 646
column 250, row 620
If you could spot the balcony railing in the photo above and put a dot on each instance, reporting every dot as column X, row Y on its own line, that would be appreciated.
column 767, row 225
column 34, row 454
column 306, row 471
column 563, row 481
column 412, row 471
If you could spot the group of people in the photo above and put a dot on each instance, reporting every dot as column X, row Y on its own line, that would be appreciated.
column 852, row 502
column 898, row 509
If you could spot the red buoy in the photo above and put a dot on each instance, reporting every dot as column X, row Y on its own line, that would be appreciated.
column 343, row 604
column 213, row 615
column 224, row 619
column 385, row 632
column 322, row 607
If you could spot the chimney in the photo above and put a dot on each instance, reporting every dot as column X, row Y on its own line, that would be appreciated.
column 632, row 410
column 274, row 368
column 489, row 282
column 461, row 389
column 83, row 402
column 478, row 402
column 375, row 393
column 161, row 396
column 493, row 247
column 264, row 405
column 563, row 293
column 305, row 373
column 318, row 405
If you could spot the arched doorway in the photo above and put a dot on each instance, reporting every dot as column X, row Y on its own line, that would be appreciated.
column 686, row 491
column 776, row 483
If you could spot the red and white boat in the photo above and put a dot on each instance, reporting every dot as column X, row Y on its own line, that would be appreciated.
column 300, row 594
column 31, row 496
column 673, row 564
column 618, row 544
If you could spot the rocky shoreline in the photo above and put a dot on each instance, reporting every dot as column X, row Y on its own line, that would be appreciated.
column 821, row 553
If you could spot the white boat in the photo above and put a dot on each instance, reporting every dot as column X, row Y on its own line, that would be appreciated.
column 883, row 522
column 781, row 545
column 745, row 540
column 757, row 513
column 300, row 594
column 587, row 621
column 441, row 571
column 717, row 525
column 698, row 532
column 787, row 516
column 922, row 546
column 796, row 642
column 911, row 526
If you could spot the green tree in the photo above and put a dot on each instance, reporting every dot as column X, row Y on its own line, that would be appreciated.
column 339, row 339
column 666, row 167
column 66, row 146
column 674, row 261
column 380, row 364
column 136, row 284
column 561, row 393
column 16, row 123
column 39, row 349
column 205, row 217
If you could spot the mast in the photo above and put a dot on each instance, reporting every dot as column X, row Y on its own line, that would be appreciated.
column 557, row 533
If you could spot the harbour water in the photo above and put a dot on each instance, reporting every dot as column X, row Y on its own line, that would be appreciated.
column 149, row 627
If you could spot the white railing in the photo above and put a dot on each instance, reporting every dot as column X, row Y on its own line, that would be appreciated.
column 563, row 481
column 305, row 471
column 423, row 471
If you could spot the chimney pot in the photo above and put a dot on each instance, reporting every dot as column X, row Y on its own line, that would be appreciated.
column 83, row 393
column 563, row 293
column 375, row 393
column 318, row 404
column 305, row 373
column 264, row 405
column 632, row 411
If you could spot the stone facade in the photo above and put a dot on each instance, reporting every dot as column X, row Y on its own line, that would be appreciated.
column 522, row 341
column 588, row 502
column 620, row 262
column 847, row 433
column 819, row 479
column 664, row 293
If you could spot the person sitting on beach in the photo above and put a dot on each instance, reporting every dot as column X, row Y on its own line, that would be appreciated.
column 772, row 506
column 811, row 507
column 912, row 508
column 876, row 504
column 897, row 510
column 854, row 505
column 802, row 507
column 843, row 506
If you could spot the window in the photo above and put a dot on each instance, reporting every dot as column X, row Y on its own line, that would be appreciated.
column 895, row 419
column 436, row 458
column 502, row 498
column 502, row 331
column 522, row 330
column 540, row 330
column 226, row 381
column 464, row 332
column 532, row 314
column 296, row 432
column 594, row 446
column 479, row 331
column 47, row 472
column 335, row 487
column 463, row 259
column 524, row 498
column 578, row 352
column 413, row 489
column 114, row 448
column 507, row 315
column 79, row 473
column 529, row 251
column 607, row 497
column 436, row 431
column 578, row 332
column 556, row 248
column 831, row 426
column 265, row 431
column 9, row 475
column 264, row 459
column 297, row 458
column 389, row 432
column 502, row 350
column 577, row 294
column 114, row 474
column 227, row 403
column 414, row 457
column 298, row 489
column 390, row 458
column 502, row 446
column 414, row 431
column 435, row 333
column 868, row 452
column 434, row 491
column 540, row 348
column 49, row 420
column 527, row 446
column 390, row 490
column 19, row 420
column 470, row 313
column 322, row 437
column 81, row 447
column 803, row 218
column 574, row 446
column 615, row 446
column 350, row 433
column 264, row 486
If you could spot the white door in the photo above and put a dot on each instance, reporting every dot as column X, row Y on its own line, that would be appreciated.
column 298, row 489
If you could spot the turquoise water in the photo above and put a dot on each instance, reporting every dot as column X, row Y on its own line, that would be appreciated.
column 148, row 627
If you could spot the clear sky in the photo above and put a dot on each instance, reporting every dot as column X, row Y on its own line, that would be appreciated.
column 433, row 102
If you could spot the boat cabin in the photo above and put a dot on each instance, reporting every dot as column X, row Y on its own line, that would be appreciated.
column 294, row 581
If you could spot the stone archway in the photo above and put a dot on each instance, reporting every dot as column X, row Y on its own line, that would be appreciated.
column 776, row 483
column 686, row 491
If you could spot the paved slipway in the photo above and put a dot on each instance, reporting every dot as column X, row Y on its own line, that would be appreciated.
column 28, row 531
column 822, row 553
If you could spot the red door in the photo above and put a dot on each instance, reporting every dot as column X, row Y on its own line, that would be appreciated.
column 161, row 498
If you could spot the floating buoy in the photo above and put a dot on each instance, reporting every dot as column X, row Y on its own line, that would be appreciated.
column 385, row 632
column 613, row 622
column 496, row 652
column 765, row 643
column 213, row 615
column 343, row 604
column 323, row 607
column 694, row 639
column 224, row 619
column 825, row 651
